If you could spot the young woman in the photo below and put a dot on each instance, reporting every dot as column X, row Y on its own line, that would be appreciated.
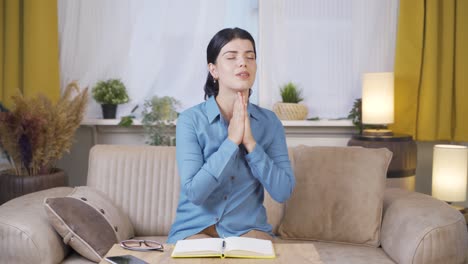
column 229, row 150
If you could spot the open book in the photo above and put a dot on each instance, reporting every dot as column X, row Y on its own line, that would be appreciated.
column 231, row 247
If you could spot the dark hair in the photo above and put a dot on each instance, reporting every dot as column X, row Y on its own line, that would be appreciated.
column 214, row 47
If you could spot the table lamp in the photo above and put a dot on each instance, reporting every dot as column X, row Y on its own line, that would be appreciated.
column 377, row 103
column 449, row 172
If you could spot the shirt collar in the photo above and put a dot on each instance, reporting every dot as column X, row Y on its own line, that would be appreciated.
column 212, row 109
column 253, row 111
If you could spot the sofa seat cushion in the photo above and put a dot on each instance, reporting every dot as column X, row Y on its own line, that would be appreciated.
column 24, row 228
column 338, row 195
column 336, row 253
column 88, row 221
column 76, row 258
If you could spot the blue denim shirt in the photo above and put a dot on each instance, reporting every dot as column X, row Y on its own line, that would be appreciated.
column 222, row 184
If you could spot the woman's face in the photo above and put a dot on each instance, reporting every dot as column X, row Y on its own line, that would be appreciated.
column 235, row 66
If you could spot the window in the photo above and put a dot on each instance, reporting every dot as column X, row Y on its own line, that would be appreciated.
column 159, row 47
column 154, row 47
column 325, row 46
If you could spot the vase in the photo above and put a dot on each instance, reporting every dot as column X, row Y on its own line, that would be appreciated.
column 12, row 186
column 109, row 111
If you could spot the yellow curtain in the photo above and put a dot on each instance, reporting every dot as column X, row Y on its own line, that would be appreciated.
column 29, row 55
column 431, row 70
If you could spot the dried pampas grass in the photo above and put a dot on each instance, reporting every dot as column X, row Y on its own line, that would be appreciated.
column 36, row 132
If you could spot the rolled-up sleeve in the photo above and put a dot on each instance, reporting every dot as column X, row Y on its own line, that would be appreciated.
column 199, row 177
column 272, row 167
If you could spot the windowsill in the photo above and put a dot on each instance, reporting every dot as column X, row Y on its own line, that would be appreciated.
column 324, row 132
column 286, row 123
column 106, row 122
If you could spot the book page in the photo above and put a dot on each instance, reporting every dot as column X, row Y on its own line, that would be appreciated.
column 248, row 247
column 198, row 247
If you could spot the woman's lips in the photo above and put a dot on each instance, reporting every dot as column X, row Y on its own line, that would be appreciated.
column 243, row 75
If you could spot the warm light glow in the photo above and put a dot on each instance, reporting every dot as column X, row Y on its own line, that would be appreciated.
column 449, row 173
column 377, row 98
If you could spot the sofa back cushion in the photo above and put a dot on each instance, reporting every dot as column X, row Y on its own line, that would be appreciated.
column 338, row 195
column 141, row 180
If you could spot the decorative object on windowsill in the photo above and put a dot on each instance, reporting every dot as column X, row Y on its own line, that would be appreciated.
column 449, row 172
column 127, row 121
column 34, row 135
column 110, row 94
column 377, row 103
column 158, row 116
column 289, row 108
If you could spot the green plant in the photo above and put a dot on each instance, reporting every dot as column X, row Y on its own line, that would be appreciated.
column 356, row 117
column 290, row 93
column 35, row 133
column 127, row 121
column 112, row 91
column 158, row 114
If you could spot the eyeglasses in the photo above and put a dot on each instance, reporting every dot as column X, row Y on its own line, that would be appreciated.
column 142, row 245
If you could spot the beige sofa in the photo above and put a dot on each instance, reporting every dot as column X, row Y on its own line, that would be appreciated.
column 143, row 182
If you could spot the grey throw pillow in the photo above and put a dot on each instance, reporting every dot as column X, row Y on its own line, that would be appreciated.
column 338, row 195
column 88, row 221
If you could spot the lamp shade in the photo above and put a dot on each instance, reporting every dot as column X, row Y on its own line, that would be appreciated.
column 449, row 172
column 377, row 98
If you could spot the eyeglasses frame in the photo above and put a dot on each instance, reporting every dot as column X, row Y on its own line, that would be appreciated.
column 144, row 241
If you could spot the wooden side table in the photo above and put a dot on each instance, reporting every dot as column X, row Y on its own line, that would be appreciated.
column 402, row 169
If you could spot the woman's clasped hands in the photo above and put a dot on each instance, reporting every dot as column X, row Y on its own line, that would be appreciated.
column 239, row 130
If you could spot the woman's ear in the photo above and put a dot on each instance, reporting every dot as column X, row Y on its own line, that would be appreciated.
column 213, row 70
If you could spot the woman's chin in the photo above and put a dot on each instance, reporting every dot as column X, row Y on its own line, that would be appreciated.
column 242, row 89
column 238, row 88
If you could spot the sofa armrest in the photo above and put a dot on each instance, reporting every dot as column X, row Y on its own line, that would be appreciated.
column 418, row 228
column 25, row 233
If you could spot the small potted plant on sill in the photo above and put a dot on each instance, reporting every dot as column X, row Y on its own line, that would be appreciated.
column 34, row 135
column 109, row 94
column 289, row 108
column 158, row 115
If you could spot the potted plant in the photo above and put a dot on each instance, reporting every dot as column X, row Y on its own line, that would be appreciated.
column 158, row 116
column 355, row 114
column 109, row 94
column 289, row 108
column 34, row 134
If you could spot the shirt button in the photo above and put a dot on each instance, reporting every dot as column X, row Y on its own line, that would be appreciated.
column 217, row 219
column 225, row 197
column 232, row 178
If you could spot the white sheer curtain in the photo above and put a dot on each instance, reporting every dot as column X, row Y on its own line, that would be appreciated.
column 154, row 47
column 325, row 46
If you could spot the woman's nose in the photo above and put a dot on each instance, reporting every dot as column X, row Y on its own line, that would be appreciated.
column 242, row 62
